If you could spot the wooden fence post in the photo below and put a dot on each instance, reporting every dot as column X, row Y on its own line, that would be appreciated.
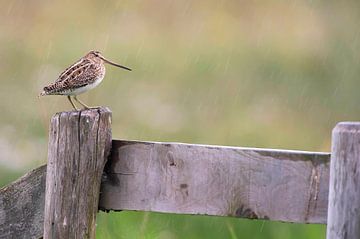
column 344, row 191
column 79, row 144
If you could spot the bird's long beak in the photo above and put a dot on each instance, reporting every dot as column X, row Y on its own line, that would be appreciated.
column 114, row 64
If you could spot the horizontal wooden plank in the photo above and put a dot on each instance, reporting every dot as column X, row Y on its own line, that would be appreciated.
column 281, row 185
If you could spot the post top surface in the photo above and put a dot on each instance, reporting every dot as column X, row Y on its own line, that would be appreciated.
column 349, row 126
column 99, row 110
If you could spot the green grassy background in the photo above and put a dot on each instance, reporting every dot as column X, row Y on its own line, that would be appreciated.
column 275, row 74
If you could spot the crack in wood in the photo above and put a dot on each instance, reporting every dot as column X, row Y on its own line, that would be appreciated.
column 313, row 190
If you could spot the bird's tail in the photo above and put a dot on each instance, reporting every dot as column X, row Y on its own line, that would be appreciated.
column 43, row 93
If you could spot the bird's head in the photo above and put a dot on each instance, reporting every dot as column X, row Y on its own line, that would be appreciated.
column 97, row 55
column 93, row 54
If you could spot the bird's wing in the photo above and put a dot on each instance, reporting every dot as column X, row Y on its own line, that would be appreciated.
column 77, row 76
column 85, row 74
column 73, row 70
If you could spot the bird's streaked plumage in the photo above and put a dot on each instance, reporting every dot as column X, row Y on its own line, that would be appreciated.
column 83, row 75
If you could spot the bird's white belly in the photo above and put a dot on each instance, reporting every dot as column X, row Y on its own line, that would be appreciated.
column 85, row 88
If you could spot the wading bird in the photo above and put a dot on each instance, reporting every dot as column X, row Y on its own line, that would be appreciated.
column 83, row 75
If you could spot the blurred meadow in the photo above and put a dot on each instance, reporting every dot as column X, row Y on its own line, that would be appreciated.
column 273, row 74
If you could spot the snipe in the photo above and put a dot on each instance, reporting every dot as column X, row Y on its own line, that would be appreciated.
column 83, row 75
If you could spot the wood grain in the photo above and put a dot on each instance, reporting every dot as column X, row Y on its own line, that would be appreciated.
column 281, row 185
column 78, row 149
column 344, row 194
column 22, row 206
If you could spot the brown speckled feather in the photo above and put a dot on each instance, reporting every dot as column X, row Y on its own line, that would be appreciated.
column 74, row 67
column 80, row 74
column 83, row 75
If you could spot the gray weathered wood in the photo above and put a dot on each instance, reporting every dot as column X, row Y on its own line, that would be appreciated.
column 289, row 186
column 344, row 194
column 79, row 144
column 22, row 206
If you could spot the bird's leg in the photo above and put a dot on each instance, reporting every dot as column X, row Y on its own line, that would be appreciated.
column 83, row 104
column 72, row 103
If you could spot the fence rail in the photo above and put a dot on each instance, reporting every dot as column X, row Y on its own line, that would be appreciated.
column 270, row 184
column 283, row 185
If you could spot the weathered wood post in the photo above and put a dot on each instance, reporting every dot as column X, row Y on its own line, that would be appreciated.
column 79, row 144
column 344, row 191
